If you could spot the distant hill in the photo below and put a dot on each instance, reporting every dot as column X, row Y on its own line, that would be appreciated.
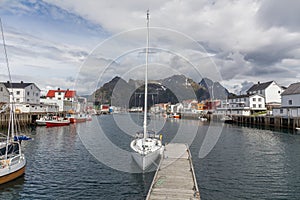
column 173, row 89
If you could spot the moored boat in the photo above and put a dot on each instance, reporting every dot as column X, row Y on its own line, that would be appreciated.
column 12, row 159
column 77, row 118
column 147, row 147
column 58, row 122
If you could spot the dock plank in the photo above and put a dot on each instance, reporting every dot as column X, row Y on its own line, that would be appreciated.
column 174, row 178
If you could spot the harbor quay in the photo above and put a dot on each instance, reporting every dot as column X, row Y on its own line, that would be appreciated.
column 25, row 119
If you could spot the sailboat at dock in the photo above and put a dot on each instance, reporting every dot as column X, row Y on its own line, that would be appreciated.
column 147, row 146
column 12, row 159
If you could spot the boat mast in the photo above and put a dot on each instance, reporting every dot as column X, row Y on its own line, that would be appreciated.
column 146, row 80
column 11, row 112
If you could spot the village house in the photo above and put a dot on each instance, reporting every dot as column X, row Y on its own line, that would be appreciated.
column 242, row 105
column 66, row 100
column 4, row 94
column 290, row 102
column 271, row 91
column 23, row 92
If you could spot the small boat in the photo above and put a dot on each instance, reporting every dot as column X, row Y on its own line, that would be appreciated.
column 42, row 121
column 77, row 118
column 176, row 116
column 147, row 146
column 58, row 122
column 297, row 128
column 203, row 119
column 226, row 119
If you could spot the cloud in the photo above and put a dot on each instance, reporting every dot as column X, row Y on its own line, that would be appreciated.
column 233, row 41
column 277, row 13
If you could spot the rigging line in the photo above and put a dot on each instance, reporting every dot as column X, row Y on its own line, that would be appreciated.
column 5, row 52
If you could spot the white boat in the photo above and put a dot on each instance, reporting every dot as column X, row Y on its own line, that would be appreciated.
column 147, row 148
column 12, row 159
column 203, row 119
column 42, row 121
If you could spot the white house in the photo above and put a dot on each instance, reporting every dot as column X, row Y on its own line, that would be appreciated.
column 290, row 102
column 243, row 105
column 66, row 100
column 271, row 91
column 23, row 92
column 4, row 94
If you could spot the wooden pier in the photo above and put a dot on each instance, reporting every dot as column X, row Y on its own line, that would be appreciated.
column 175, row 176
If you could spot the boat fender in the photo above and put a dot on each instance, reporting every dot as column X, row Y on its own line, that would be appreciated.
column 160, row 137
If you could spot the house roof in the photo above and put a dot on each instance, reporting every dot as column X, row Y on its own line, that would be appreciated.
column 68, row 93
column 16, row 85
column 244, row 96
column 259, row 86
column 292, row 89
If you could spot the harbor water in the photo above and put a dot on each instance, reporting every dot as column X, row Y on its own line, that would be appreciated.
column 243, row 162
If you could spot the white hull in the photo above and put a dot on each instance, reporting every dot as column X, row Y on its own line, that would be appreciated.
column 145, row 161
column 145, row 158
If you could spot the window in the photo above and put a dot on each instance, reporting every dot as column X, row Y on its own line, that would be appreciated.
column 281, row 111
column 18, row 92
column 260, row 92
column 17, row 100
column 259, row 99
column 290, row 102
column 254, row 105
column 244, row 99
column 59, row 98
column 59, row 93
column 27, row 99
column 278, row 91
column 1, row 89
column 254, row 99
column 37, row 94
column 259, row 105
column 28, row 93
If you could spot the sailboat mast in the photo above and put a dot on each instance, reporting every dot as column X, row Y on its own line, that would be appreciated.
column 146, row 80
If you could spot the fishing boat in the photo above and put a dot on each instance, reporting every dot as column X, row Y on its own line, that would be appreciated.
column 42, row 120
column 77, row 118
column 59, row 121
column 12, row 159
column 147, row 147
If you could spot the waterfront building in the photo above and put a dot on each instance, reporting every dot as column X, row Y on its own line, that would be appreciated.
column 271, row 91
column 290, row 102
column 246, row 105
column 23, row 92
column 4, row 94
column 66, row 100
column 36, row 108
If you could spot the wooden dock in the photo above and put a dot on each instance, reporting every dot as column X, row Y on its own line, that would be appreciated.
column 175, row 176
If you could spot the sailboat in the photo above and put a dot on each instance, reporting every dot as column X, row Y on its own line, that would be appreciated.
column 147, row 146
column 12, row 159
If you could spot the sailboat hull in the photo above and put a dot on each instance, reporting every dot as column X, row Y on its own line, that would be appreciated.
column 145, row 161
column 12, row 172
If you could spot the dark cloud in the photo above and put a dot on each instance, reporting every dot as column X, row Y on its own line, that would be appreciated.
column 280, row 13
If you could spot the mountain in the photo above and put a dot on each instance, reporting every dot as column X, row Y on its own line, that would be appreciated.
column 213, row 90
column 173, row 89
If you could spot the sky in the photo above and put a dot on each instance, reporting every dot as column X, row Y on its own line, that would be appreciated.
column 75, row 44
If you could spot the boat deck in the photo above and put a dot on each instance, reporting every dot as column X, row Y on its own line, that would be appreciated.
column 175, row 177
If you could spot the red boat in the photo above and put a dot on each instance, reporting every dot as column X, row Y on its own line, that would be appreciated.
column 53, row 123
column 77, row 118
